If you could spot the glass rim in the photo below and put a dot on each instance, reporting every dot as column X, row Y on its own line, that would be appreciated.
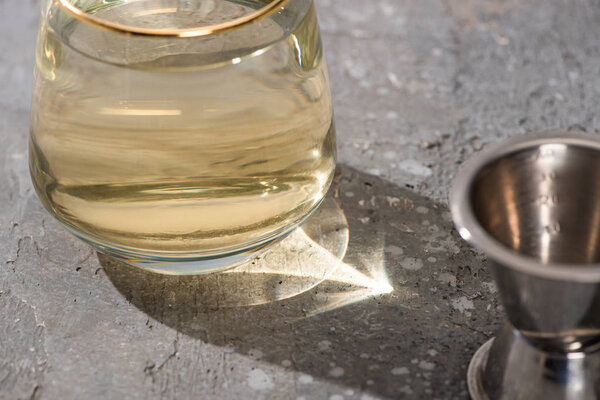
column 208, row 30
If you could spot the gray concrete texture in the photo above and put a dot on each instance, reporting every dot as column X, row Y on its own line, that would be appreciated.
column 419, row 85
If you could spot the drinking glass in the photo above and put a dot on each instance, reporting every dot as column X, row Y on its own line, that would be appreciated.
column 182, row 136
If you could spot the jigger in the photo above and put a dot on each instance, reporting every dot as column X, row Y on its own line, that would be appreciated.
column 532, row 204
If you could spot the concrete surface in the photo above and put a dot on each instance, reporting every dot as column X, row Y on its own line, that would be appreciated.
column 419, row 85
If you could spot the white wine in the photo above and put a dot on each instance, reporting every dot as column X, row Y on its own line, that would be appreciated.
column 165, row 151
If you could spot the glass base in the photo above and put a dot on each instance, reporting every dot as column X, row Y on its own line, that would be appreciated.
column 305, row 258
column 191, row 264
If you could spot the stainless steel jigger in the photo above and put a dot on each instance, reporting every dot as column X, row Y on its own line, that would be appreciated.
column 532, row 204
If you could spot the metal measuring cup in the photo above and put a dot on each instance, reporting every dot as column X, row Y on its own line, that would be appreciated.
column 532, row 204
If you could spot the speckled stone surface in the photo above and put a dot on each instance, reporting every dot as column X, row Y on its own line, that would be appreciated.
column 419, row 85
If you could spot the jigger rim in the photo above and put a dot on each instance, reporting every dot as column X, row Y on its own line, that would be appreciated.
column 471, row 230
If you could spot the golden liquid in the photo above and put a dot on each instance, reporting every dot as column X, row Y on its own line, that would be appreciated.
column 158, row 158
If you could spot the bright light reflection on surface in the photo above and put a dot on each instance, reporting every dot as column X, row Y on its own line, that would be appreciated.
column 344, row 273
column 372, row 282
column 297, row 46
column 465, row 234
column 259, row 52
column 348, row 274
column 553, row 147
column 313, row 256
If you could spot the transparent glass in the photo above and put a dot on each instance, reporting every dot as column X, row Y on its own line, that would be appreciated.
column 183, row 136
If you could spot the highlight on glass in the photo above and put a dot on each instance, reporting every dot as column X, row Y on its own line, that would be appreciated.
column 184, row 136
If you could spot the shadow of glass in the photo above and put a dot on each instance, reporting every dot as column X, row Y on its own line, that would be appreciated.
column 390, row 315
